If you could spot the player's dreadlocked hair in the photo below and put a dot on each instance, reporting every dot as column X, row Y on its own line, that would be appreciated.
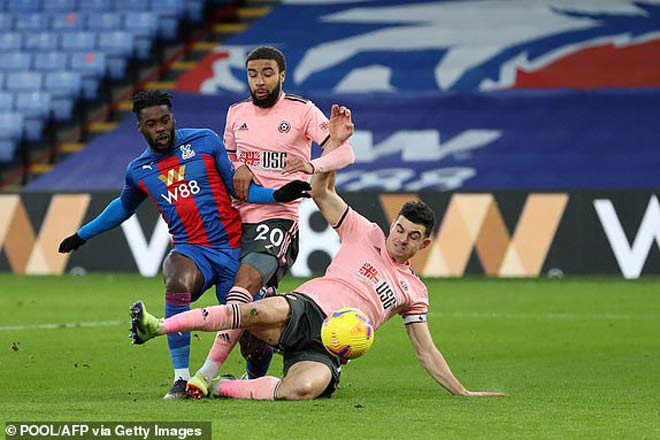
column 268, row 53
column 150, row 98
column 419, row 213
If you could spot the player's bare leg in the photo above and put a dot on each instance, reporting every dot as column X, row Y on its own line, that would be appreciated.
column 305, row 380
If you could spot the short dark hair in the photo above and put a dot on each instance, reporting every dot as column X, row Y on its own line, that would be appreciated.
column 150, row 98
column 419, row 213
column 267, row 53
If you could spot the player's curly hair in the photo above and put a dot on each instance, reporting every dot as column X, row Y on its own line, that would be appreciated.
column 268, row 53
column 419, row 213
column 150, row 98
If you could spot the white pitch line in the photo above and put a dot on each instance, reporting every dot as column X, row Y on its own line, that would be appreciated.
column 64, row 325
column 550, row 316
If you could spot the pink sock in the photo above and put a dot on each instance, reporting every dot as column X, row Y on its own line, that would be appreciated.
column 226, row 340
column 207, row 319
column 264, row 388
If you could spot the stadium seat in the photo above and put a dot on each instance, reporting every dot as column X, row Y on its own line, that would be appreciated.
column 10, row 41
column 11, row 129
column 6, row 21
column 171, row 8
column 92, row 67
column 194, row 10
column 78, row 41
column 64, row 89
column 2, row 81
column 15, row 61
column 35, row 106
column 130, row 5
column 95, row 6
column 12, row 125
column 49, row 61
column 104, row 21
column 40, row 41
column 24, row 5
column 117, row 43
column 61, row 5
column 66, row 22
column 31, row 22
column 23, row 81
column 144, row 27
column 6, row 101
column 141, row 23
column 118, row 47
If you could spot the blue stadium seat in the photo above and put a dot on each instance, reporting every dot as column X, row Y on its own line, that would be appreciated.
column 6, row 22
column 6, row 101
column 35, row 106
column 2, row 81
column 10, row 41
column 78, row 41
column 11, row 130
column 31, row 22
column 40, row 41
column 95, row 6
column 24, row 5
column 23, row 81
column 144, row 26
column 130, row 5
column 104, row 21
column 61, row 5
column 12, row 123
column 15, row 61
column 194, row 10
column 141, row 23
column 66, row 21
column 119, row 47
column 92, row 67
column 171, row 8
column 49, row 61
column 64, row 88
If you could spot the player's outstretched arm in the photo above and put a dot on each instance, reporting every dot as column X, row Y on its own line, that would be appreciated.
column 434, row 362
column 337, row 152
column 112, row 216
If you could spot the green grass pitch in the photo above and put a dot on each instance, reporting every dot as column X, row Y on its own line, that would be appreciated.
column 579, row 358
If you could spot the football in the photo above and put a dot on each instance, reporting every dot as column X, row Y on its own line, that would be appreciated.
column 347, row 333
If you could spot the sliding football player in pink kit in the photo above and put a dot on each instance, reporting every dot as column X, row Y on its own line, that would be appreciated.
column 269, row 139
column 371, row 272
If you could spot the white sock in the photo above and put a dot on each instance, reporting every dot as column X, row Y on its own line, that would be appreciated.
column 181, row 373
column 209, row 370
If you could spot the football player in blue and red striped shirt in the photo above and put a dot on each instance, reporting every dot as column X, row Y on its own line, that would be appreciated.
column 188, row 176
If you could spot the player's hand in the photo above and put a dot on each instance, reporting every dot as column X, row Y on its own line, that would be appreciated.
column 71, row 243
column 483, row 394
column 292, row 191
column 242, row 179
column 341, row 125
column 297, row 163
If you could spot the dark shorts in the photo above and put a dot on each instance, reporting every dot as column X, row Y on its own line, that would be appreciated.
column 277, row 237
column 301, row 338
column 218, row 266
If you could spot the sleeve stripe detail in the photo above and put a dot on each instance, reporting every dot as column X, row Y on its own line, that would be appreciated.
column 232, row 151
column 325, row 141
column 414, row 319
column 341, row 219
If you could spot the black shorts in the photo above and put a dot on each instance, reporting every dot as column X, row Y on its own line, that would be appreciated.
column 277, row 237
column 301, row 338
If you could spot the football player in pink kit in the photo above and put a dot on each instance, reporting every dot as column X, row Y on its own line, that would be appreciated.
column 269, row 139
column 371, row 272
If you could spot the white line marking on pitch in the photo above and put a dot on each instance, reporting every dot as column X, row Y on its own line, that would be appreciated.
column 593, row 316
column 64, row 325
